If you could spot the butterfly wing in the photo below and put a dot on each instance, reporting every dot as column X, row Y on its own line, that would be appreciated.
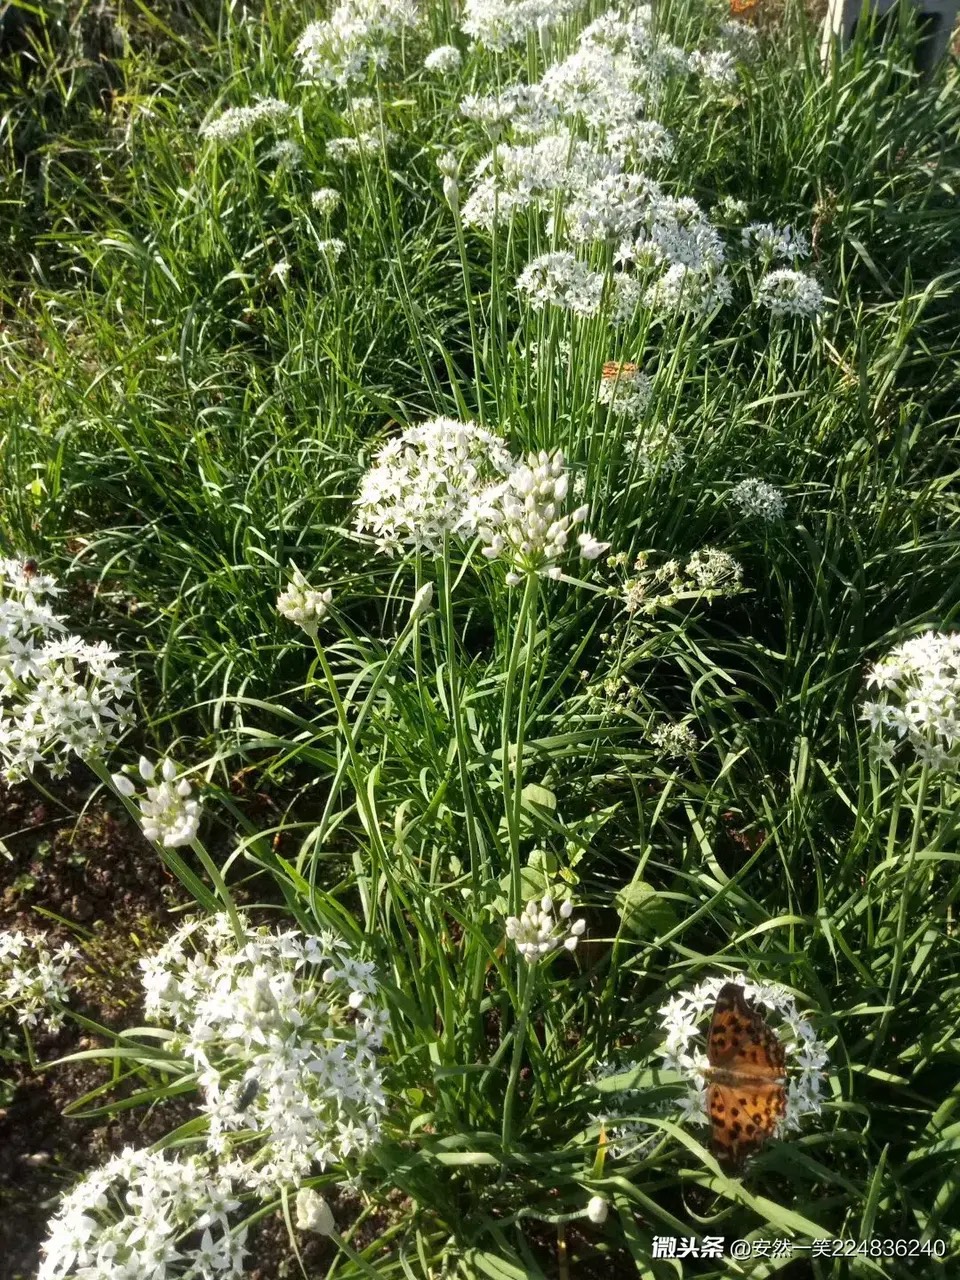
column 739, row 1039
column 746, row 1095
column 743, row 1117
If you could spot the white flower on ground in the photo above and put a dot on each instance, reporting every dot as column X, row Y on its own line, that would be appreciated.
column 237, row 122
column 33, row 978
column 918, row 702
column 168, row 813
column 303, row 604
column 162, row 1214
column 297, row 1016
column 625, row 389
column 325, row 200
column 561, row 280
column 522, row 519
column 313, row 1213
column 790, row 293
column 541, row 929
column 757, row 498
column 445, row 59
column 685, row 1021
column 422, row 481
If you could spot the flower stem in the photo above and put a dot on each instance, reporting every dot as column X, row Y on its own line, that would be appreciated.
column 527, row 984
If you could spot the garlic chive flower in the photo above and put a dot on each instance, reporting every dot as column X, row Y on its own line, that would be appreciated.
column 331, row 249
column 685, row 1019
column 304, row 605
column 445, row 59
column 674, row 740
column 313, row 1213
column 168, row 813
column 237, row 122
column 354, row 39
column 918, row 700
column 162, row 1214
column 422, row 482
column 325, row 200
column 33, row 978
column 561, row 280
column 790, row 293
column 299, row 1017
column 498, row 24
column 775, row 242
column 541, row 929
column 522, row 519
column 756, row 498
column 59, row 697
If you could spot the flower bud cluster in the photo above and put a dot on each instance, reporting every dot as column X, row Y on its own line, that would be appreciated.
column 537, row 930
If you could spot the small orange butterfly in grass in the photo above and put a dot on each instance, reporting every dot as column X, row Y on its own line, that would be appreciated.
column 746, row 1078
column 739, row 7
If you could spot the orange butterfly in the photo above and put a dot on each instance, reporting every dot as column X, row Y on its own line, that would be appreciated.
column 619, row 368
column 746, row 1093
column 740, row 7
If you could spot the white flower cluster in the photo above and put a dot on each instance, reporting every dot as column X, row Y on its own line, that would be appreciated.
column 775, row 243
column 656, row 448
column 674, row 740
column 331, row 249
column 286, row 153
column 58, row 695
column 759, row 499
column 537, row 930
column 709, row 572
column 684, row 1020
column 522, row 518
column 325, row 200
column 670, row 258
column 160, row 1215
column 347, row 150
column 445, row 59
column 33, row 978
column 422, row 481
column 304, row 605
column 716, row 66
column 497, row 24
column 168, row 813
column 918, row 684
column 354, row 38
column 714, row 570
column 625, row 389
column 237, row 122
column 625, row 1137
column 790, row 293
column 561, row 280
column 283, row 1030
